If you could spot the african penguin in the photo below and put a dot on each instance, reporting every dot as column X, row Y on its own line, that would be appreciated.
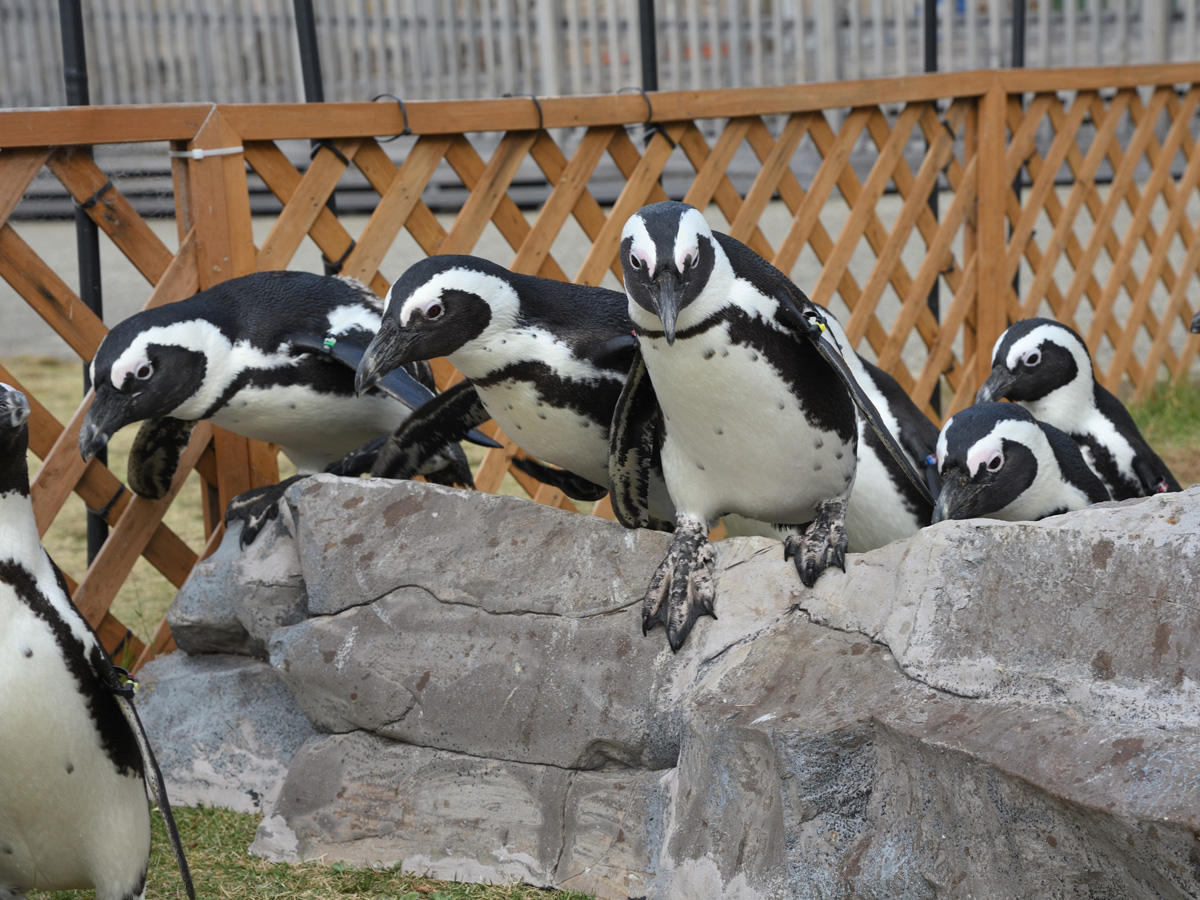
column 1196, row 323
column 1045, row 367
column 546, row 359
column 751, row 419
column 74, row 763
column 997, row 461
column 270, row 356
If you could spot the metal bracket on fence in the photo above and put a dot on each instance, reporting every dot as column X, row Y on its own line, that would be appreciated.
column 650, row 128
column 201, row 153
column 403, row 114
column 329, row 145
column 536, row 104
column 335, row 266
column 95, row 198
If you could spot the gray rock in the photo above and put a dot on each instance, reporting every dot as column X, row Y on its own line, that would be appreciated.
column 234, row 600
column 985, row 710
column 223, row 728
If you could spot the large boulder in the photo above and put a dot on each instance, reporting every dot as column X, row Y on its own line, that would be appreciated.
column 985, row 709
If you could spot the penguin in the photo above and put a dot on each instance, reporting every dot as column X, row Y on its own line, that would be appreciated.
column 1045, row 367
column 547, row 359
column 742, row 400
column 270, row 356
column 1196, row 323
column 997, row 461
column 75, row 765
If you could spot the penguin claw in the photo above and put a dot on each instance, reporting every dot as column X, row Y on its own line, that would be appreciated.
column 682, row 588
column 255, row 509
column 823, row 542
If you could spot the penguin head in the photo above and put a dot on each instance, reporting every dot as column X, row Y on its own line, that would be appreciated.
column 440, row 306
column 1033, row 359
column 14, row 439
column 988, row 456
column 667, row 254
column 147, row 367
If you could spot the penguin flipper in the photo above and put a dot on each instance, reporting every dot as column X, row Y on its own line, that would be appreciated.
column 1153, row 475
column 633, row 443
column 574, row 486
column 404, row 383
column 155, row 785
column 443, row 420
column 154, row 456
column 812, row 326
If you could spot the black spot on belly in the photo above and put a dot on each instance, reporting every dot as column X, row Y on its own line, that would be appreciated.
column 780, row 404
column 6, row 850
column 724, row 353
column 838, row 455
column 28, row 651
column 753, row 356
column 818, row 442
column 541, row 415
column 70, row 767
column 700, row 466
column 710, row 353
column 816, row 467
column 584, row 423
column 719, row 430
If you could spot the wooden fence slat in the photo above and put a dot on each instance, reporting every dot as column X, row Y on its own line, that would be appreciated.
column 993, row 289
column 110, row 210
column 131, row 533
column 570, row 180
column 49, row 295
column 744, row 226
column 395, row 205
column 421, row 223
column 18, row 168
column 304, row 204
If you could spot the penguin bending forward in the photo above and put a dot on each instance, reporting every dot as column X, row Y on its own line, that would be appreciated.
column 1045, row 367
column 75, row 766
column 270, row 356
column 547, row 360
column 997, row 461
column 749, row 416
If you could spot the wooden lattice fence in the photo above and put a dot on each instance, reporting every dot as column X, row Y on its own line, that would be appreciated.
column 1103, row 235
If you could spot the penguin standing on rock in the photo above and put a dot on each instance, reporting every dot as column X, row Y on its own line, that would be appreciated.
column 1046, row 368
column 75, row 766
column 270, row 356
column 752, row 410
column 997, row 461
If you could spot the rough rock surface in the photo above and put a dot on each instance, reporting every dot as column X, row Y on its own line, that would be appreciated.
column 224, row 729
column 984, row 710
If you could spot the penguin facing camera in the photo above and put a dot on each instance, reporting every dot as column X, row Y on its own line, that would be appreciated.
column 1045, row 367
column 76, row 763
column 997, row 461
column 741, row 389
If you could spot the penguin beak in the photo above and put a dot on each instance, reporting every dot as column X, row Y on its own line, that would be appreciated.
column 666, row 299
column 391, row 348
column 997, row 385
column 956, row 499
column 14, row 408
column 107, row 415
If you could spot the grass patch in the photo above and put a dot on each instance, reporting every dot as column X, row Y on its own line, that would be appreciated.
column 1170, row 421
column 215, row 841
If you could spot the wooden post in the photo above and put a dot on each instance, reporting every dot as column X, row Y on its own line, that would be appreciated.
column 990, row 314
column 219, row 210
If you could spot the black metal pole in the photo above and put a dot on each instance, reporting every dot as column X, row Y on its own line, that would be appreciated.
column 87, row 238
column 1018, row 62
column 314, row 85
column 648, row 31
column 931, row 65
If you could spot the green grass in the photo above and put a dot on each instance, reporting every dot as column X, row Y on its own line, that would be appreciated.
column 1170, row 422
column 215, row 841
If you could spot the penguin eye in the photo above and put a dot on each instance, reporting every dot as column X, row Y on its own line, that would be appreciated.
column 995, row 462
column 1031, row 358
column 434, row 311
column 144, row 371
column 689, row 260
column 634, row 262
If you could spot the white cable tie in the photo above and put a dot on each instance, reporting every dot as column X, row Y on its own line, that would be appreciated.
column 198, row 153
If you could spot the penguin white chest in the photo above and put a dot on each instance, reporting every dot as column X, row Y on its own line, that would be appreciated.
column 555, row 434
column 313, row 428
column 68, row 817
column 737, row 439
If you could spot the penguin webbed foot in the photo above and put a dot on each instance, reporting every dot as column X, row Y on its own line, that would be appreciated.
column 824, row 541
column 255, row 509
column 682, row 588
column 360, row 461
column 449, row 467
